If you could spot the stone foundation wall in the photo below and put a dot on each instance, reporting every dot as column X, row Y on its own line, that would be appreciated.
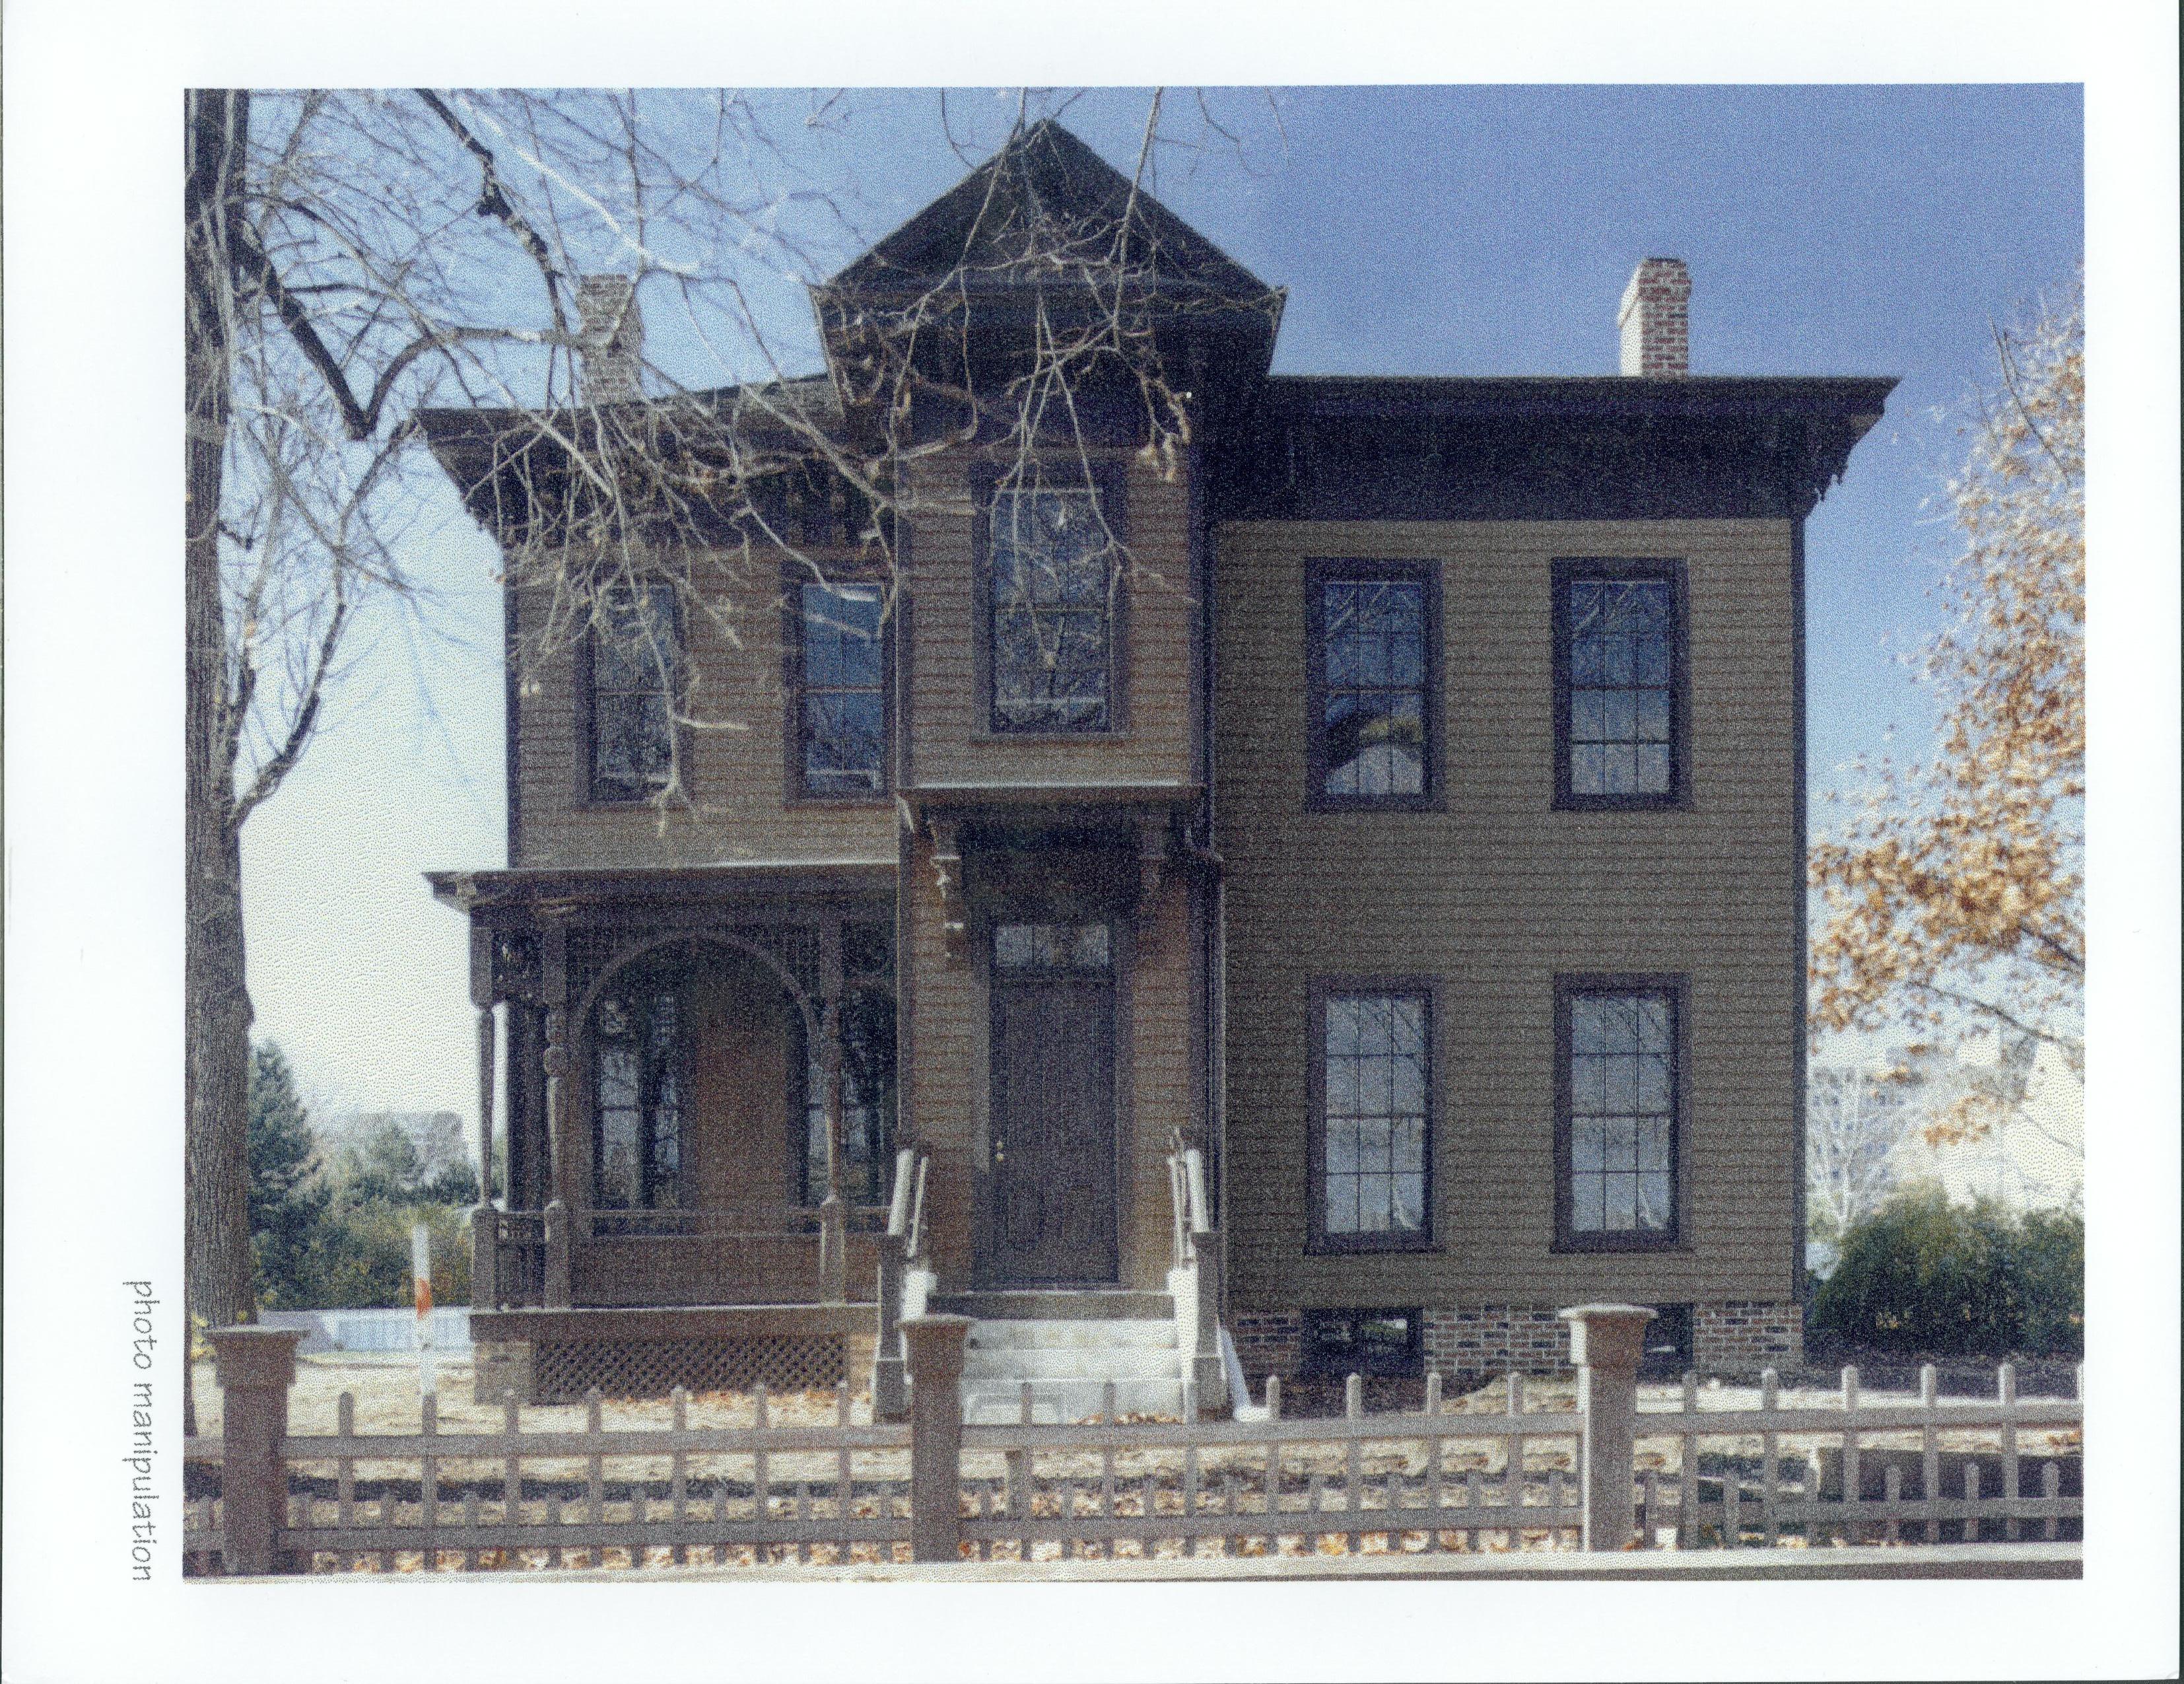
column 1748, row 1336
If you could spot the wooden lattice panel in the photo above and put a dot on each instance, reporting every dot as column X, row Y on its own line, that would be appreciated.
column 564, row 1369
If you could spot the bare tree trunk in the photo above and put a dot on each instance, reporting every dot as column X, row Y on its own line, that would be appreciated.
column 216, row 1009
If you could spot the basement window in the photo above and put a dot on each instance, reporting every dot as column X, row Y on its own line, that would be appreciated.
column 1668, row 1349
column 1376, row 1343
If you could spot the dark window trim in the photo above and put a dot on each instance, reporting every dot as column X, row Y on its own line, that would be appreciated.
column 1568, row 569
column 1109, row 483
column 1318, row 1240
column 794, row 577
column 1677, row 986
column 1412, row 1364
column 1319, row 571
column 589, row 791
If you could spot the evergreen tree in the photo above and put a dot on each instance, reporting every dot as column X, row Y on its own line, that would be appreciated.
column 287, row 1201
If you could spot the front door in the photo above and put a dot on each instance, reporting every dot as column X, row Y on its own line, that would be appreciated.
column 1051, row 1203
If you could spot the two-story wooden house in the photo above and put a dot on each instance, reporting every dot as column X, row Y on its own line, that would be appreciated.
column 1331, row 893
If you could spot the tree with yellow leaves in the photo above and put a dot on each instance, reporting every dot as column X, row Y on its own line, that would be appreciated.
column 1953, row 901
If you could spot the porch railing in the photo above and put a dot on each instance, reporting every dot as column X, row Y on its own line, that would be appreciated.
column 901, row 1251
column 524, row 1259
column 1195, row 1278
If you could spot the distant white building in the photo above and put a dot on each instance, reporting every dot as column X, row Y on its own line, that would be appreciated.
column 2033, row 1160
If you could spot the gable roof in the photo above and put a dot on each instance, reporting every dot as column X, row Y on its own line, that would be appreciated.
column 1044, row 203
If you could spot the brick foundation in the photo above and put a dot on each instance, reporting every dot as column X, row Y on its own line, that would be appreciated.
column 1748, row 1336
column 1467, row 1346
column 1470, row 1346
column 1269, row 1342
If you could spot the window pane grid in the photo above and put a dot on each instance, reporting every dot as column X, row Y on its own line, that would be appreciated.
column 1373, row 1115
column 635, row 664
column 867, row 1105
column 842, row 715
column 1052, row 573
column 637, row 1066
column 1622, row 1087
column 1374, row 674
column 1621, row 652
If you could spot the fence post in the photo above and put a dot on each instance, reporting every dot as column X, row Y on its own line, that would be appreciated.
column 886, row 1352
column 1605, row 1342
column 485, row 1258
column 557, row 1255
column 936, row 1434
column 255, row 1366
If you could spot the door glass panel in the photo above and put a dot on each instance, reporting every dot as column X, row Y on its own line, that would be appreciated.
column 1052, row 947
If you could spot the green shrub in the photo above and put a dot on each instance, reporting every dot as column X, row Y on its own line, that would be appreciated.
column 1923, row 1275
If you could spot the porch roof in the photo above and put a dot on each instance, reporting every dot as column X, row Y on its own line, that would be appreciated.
column 537, row 887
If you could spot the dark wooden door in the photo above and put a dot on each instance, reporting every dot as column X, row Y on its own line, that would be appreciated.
column 1051, row 1205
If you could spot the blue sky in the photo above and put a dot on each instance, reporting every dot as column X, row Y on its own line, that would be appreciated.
column 1447, row 230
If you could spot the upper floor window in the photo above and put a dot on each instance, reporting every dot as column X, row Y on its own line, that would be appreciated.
column 1372, row 688
column 636, row 673
column 1617, row 1070
column 839, row 670
column 1371, row 1122
column 1053, row 576
column 1618, row 683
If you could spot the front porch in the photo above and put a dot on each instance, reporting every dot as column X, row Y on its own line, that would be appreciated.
column 709, row 1182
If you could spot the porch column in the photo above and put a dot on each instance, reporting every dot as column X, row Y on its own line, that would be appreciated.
column 556, row 1062
column 485, row 1106
column 833, row 1224
column 554, row 992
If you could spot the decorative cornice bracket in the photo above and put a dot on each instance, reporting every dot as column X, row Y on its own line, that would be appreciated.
column 948, row 883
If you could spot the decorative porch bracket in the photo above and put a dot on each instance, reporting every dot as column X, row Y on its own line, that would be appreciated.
column 1152, row 867
column 1195, row 1281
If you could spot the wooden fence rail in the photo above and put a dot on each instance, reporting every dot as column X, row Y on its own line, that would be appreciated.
column 933, row 1488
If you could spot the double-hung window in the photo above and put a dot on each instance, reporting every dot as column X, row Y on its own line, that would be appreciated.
column 837, row 671
column 634, row 654
column 1620, row 684
column 1373, row 636
column 1053, row 579
column 1619, row 1078
column 1372, row 1117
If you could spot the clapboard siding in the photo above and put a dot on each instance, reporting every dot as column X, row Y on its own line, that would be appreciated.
column 1496, row 894
column 950, row 740
column 737, row 776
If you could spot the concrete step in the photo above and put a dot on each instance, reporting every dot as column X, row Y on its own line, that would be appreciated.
column 1068, row 1400
column 1089, row 1362
column 1055, row 1307
column 1116, row 1334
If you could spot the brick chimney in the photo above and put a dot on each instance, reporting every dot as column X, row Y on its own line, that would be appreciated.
column 1656, row 319
column 610, row 344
